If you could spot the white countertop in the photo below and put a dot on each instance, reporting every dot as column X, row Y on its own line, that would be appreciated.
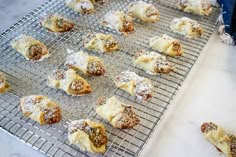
column 208, row 94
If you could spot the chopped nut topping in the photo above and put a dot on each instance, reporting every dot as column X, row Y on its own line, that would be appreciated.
column 52, row 115
column 162, row 64
column 76, row 85
column 232, row 143
column 101, row 101
column 128, row 118
column 109, row 44
column 96, row 135
column 95, row 68
column 176, row 46
column 34, row 103
column 61, row 23
column 143, row 87
column 128, row 24
column 208, row 126
column 100, row 1
column 58, row 74
column 144, row 90
column 196, row 29
column 36, row 51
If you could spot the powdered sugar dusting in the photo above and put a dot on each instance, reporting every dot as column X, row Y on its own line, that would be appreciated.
column 143, row 86
column 78, row 59
column 30, row 103
column 79, row 125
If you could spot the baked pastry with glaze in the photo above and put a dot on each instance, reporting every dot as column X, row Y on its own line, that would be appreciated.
column 81, row 6
column 88, row 135
column 3, row 83
column 100, row 42
column 134, row 84
column 118, row 114
column 89, row 65
column 152, row 62
column 69, row 82
column 222, row 140
column 166, row 45
column 200, row 7
column 30, row 48
column 40, row 109
column 186, row 27
column 144, row 11
column 56, row 23
column 118, row 21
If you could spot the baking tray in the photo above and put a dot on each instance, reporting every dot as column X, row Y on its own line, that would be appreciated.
column 28, row 78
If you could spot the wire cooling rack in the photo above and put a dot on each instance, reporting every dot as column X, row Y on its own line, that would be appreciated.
column 28, row 78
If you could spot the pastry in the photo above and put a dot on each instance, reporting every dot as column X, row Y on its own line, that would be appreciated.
column 134, row 84
column 80, row 6
column 166, row 45
column 41, row 109
column 30, row 48
column 220, row 138
column 100, row 42
column 69, row 81
column 118, row 21
column 99, row 1
column 186, row 26
column 88, row 135
column 144, row 11
column 89, row 65
column 200, row 7
column 3, row 83
column 152, row 62
column 118, row 114
column 56, row 23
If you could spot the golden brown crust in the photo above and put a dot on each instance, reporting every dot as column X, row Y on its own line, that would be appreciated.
column 220, row 138
column 200, row 7
column 99, row 1
column 134, row 84
column 4, row 86
column 187, row 27
column 152, row 62
column 100, row 42
column 118, row 21
column 56, row 23
column 88, row 135
column 166, row 45
column 69, row 81
column 89, row 65
column 79, row 87
column 41, row 109
column 30, row 48
column 144, row 11
column 120, row 115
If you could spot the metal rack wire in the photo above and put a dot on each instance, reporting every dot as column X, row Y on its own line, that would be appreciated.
column 28, row 78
